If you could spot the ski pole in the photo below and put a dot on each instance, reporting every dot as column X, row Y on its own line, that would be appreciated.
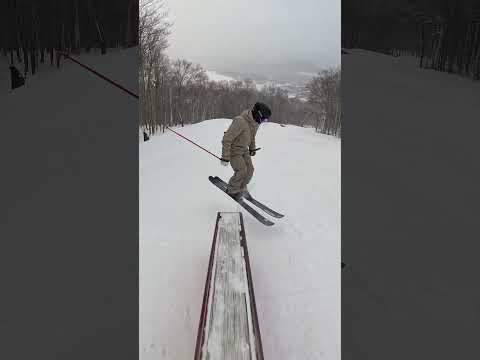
column 130, row 93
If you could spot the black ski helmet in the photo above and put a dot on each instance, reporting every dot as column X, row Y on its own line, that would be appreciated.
column 261, row 112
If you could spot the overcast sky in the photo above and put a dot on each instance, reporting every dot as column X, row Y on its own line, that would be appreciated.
column 256, row 31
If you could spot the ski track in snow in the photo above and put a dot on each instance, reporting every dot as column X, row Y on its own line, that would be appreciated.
column 295, row 263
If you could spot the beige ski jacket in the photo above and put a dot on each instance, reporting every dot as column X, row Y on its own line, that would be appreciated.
column 240, row 136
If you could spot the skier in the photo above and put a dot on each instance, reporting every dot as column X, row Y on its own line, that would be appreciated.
column 238, row 145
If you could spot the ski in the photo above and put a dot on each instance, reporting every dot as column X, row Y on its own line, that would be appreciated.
column 215, row 180
column 264, row 207
column 254, row 201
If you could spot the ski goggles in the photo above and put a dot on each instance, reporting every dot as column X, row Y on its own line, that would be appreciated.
column 262, row 117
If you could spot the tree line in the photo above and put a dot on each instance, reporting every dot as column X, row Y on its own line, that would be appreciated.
column 325, row 102
column 443, row 35
column 32, row 31
column 179, row 92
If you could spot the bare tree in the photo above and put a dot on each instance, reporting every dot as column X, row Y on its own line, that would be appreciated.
column 444, row 35
column 29, row 28
column 324, row 98
column 179, row 92
column 153, row 31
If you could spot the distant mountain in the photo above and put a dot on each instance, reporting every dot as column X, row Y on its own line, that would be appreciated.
column 293, row 89
column 295, row 72
column 214, row 76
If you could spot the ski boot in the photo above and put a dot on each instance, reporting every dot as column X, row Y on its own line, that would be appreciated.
column 246, row 194
column 236, row 196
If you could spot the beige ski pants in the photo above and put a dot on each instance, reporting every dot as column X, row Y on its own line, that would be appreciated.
column 243, row 168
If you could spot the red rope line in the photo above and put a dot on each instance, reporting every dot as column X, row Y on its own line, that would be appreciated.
column 130, row 93
column 100, row 75
column 193, row 142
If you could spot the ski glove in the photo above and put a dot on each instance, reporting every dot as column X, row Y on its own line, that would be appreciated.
column 253, row 151
column 224, row 162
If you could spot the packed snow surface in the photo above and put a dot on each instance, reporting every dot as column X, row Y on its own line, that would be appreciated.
column 408, row 285
column 62, row 135
column 295, row 263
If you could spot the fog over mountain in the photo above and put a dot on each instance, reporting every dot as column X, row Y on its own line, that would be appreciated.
column 263, row 40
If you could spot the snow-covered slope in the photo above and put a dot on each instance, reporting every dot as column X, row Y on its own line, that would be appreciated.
column 58, row 109
column 214, row 76
column 65, row 165
column 116, row 64
column 293, row 89
column 409, row 287
column 295, row 263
